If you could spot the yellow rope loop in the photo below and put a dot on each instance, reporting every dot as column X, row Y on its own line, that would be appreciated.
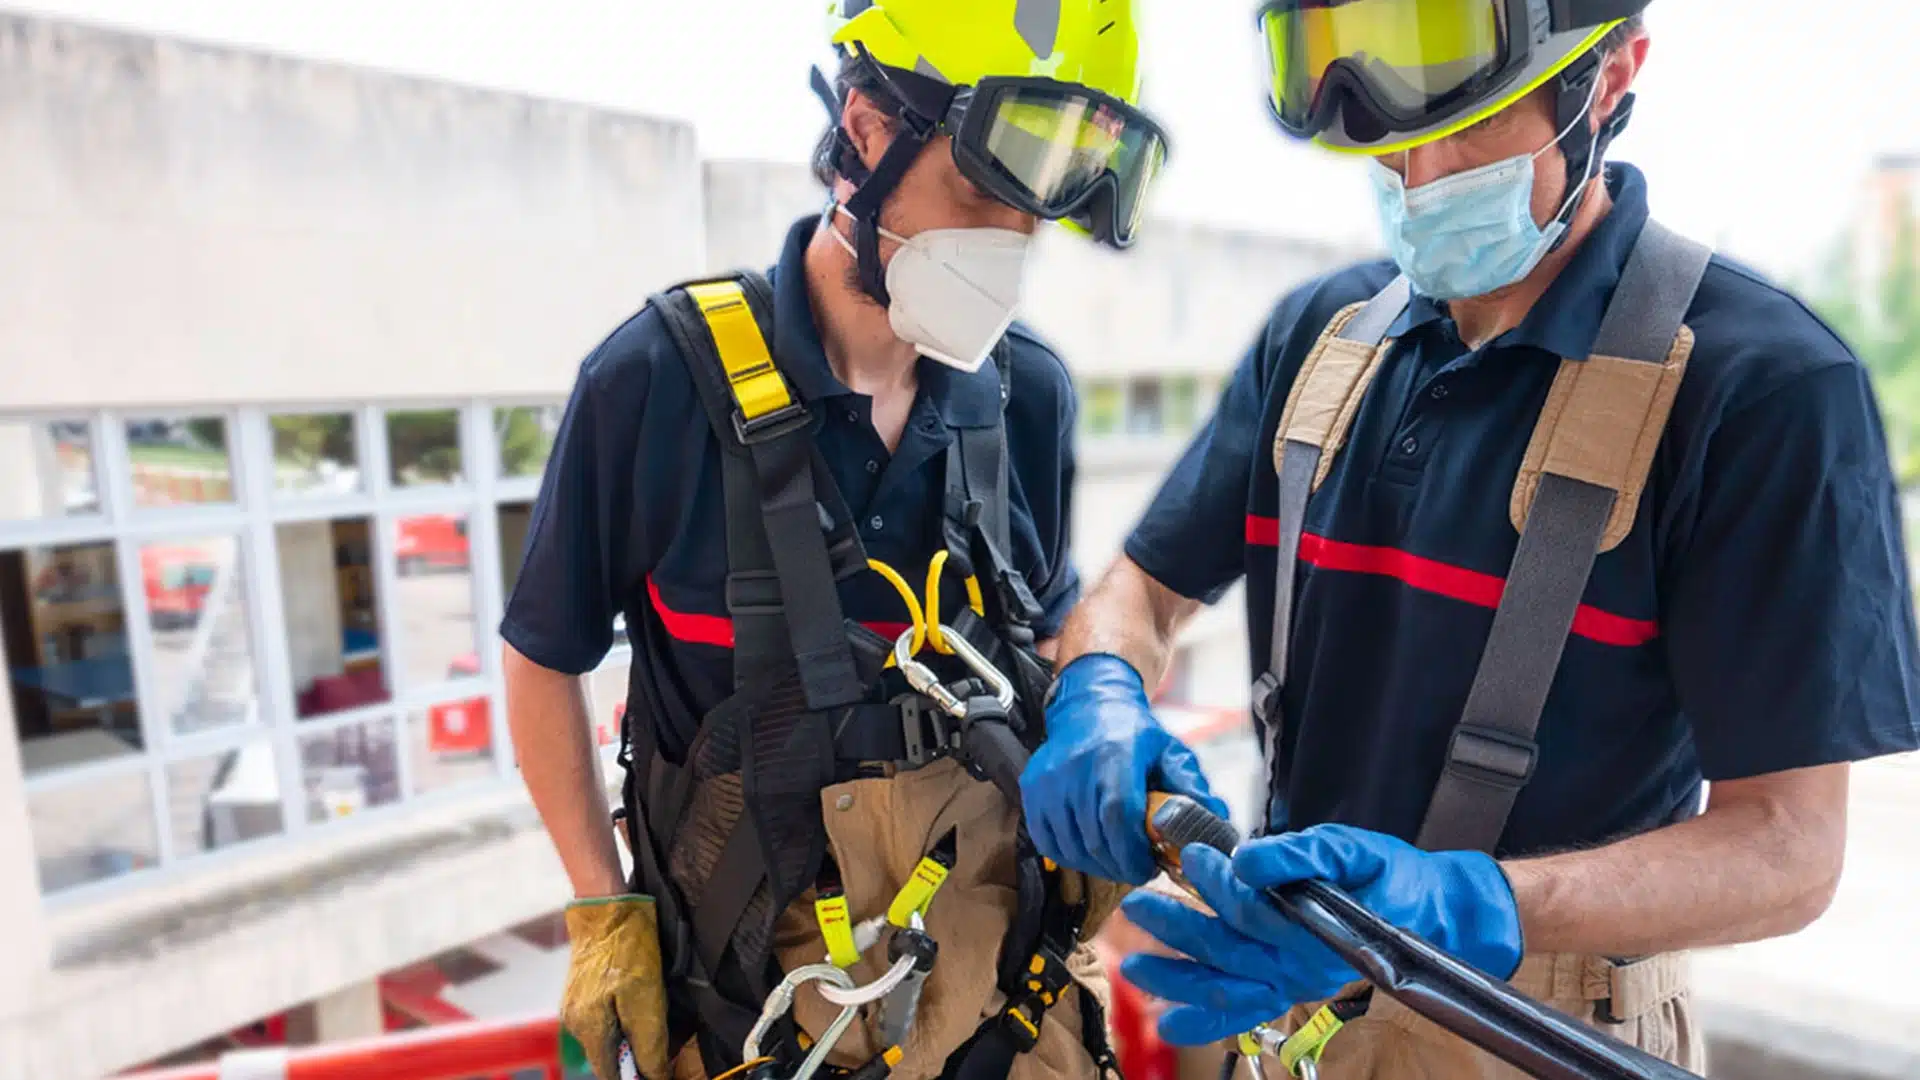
column 935, row 568
column 914, row 611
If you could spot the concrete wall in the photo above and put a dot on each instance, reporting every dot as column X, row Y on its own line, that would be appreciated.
column 749, row 207
column 195, row 224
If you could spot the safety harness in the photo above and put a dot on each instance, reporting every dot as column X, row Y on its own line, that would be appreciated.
column 1577, row 494
column 728, row 839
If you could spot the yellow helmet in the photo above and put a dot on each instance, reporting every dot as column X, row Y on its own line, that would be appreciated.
column 1088, row 42
column 1040, row 97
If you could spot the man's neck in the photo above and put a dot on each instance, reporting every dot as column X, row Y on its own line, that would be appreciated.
column 860, row 343
column 1480, row 319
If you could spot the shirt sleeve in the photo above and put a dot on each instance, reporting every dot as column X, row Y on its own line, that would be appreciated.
column 1192, row 538
column 1789, row 625
column 582, row 549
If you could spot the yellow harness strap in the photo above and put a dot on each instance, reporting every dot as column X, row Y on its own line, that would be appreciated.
column 757, row 385
column 1308, row 1043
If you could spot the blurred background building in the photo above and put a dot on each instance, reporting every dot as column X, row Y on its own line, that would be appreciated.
column 283, row 347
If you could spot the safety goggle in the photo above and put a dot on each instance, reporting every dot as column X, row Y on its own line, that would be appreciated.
column 1386, row 66
column 1059, row 151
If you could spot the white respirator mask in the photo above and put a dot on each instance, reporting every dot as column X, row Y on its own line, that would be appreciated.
column 953, row 291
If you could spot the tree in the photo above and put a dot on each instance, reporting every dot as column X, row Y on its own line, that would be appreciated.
column 1880, row 321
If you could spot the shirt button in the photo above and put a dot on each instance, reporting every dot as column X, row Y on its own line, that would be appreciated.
column 873, row 467
column 844, row 802
column 876, row 523
column 1409, row 445
column 1439, row 392
column 853, row 417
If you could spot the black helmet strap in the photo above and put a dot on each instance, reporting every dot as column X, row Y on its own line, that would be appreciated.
column 874, row 186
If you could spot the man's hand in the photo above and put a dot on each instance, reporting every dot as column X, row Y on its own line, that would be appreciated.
column 1250, row 964
column 616, row 995
column 1085, row 790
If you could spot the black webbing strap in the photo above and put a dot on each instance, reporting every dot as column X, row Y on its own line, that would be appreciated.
column 978, row 490
column 776, row 536
column 1492, row 753
column 1298, row 467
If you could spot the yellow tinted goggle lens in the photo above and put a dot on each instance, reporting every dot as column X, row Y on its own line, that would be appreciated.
column 1411, row 52
column 1057, row 146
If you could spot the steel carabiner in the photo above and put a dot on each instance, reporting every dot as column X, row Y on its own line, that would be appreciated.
column 923, row 680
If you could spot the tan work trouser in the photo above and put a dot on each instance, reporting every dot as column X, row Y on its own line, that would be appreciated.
column 878, row 830
column 1650, row 996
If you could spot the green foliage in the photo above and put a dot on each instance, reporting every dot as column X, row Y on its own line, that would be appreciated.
column 1880, row 320
column 307, row 439
column 526, row 438
column 425, row 445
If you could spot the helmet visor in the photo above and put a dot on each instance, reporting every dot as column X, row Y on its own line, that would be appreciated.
column 1406, row 62
column 1061, row 152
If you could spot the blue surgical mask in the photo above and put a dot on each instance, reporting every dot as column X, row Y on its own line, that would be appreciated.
column 1471, row 233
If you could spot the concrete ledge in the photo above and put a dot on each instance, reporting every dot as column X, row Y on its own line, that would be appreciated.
column 1749, row 1044
column 143, row 977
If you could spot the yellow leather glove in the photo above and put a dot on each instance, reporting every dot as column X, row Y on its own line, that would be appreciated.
column 616, row 989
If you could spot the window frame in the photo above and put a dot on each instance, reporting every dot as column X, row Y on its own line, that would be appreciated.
column 252, row 517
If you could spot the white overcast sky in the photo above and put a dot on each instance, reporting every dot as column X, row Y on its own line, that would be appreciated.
column 1758, row 118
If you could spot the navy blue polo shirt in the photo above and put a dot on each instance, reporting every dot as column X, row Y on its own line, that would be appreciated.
column 630, row 517
column 1758, row 618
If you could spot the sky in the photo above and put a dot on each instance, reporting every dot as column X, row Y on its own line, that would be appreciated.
column 1757, row 122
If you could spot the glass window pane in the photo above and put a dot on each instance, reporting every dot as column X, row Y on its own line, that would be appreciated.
column 46, row 470
column 224, row 798
column 178, row 462
column 433, row 595
column 1104, row 404
column 1183, row 403
column 525, row 435
column 93, row 830
column 202, row 648
column 315, row 454
column 423, row 447
column 68, row 670
column 1144, row 413
column 349, row 769
column 332, row 622
column 513, row 519
column 452, row 744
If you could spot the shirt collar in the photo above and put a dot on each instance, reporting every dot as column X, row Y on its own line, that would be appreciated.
column 1566, row 320
column 962, row 399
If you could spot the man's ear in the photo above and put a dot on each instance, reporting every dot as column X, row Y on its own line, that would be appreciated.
column 870, row 128
column 1617, row 74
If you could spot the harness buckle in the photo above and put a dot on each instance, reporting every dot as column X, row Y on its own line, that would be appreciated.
column 1041, row 984
column 1491, row 756
column 784, row 420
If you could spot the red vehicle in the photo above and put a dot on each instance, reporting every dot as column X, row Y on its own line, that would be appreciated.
column 177, row 581
column 438, row 541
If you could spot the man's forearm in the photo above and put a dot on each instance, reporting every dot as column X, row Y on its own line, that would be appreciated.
column 1129, row 615
column 1762, row 861
column 547, row 713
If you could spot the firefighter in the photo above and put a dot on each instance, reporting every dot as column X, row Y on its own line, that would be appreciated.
column 1547, row 522
column 758, row 472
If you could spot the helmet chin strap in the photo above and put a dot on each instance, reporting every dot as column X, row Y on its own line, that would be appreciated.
column 874, row 186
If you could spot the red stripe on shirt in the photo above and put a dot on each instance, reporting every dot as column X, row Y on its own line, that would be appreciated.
column 1442, row 579
column 718, row 629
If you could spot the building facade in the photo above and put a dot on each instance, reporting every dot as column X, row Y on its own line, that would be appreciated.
column 284, row 347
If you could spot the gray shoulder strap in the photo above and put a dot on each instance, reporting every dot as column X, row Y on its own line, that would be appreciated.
column 1299, row 465
column 1492, row 752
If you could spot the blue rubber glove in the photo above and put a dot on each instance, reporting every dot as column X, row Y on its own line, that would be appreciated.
column 1085, row 789
column 1250, row 965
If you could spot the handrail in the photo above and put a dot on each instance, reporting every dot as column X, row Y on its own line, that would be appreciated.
column 441, row 1052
